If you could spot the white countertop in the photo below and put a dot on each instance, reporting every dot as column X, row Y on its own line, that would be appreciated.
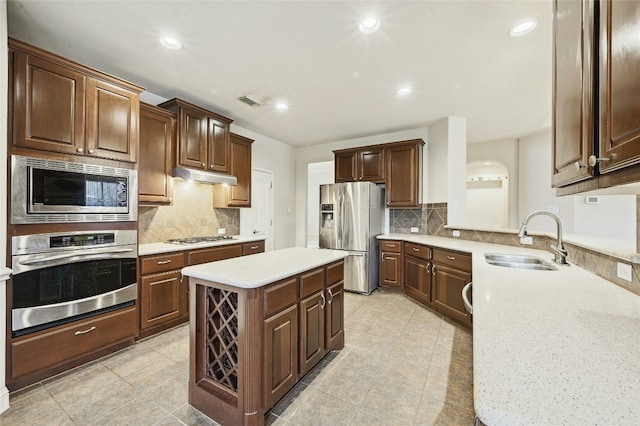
column 259, row 269
column 549, row 347
column 157, row 248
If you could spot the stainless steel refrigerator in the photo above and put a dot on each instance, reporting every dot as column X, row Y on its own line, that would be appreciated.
column 351, row 216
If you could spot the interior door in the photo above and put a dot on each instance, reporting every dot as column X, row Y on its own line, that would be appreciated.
column 258, row 220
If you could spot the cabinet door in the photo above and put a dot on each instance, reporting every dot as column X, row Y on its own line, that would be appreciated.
column 240, row 195
column 160, row 299
column 218, row 143
column 112, row 121
column 281, row 354
column 391, row 270
column 446, row 292
column 417, row 278
column 573, row 56
column 192, row 140
column 155, row 185
column 48, row 105
column 345, row 167
column 370, row 165
column 619, row 88
column 334, row 324
column 403, row 175
column 312, row 323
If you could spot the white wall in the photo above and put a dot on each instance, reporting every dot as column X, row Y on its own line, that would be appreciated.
column 534, row 189
column 318, row 174
column 324, row 152
column 270, row 154
column 506, row 153
column 617, row 211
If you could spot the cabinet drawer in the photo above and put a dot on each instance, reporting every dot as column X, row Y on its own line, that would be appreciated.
column 251, row 248
column 66, row 343
column 391, row 246
column 311, row 282
column 279, row 296
column 417, row 250
column 197, row 257
column 335, row 273
column 460, row 261
column 161, row 263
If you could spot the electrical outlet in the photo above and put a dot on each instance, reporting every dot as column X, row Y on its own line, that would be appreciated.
column 221, row 231
column 455, row 233
column 624, row 271
column 414, row 229
column 526, row 240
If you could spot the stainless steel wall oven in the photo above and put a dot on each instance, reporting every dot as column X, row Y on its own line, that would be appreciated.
column 52, row 191
column 61, row 277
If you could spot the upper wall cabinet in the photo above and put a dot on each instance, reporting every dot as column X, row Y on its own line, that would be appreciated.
column 157, row 141
column 239, row 195
column 59, row 106
column 398, row 165
column 596, row 98
column 203, row 137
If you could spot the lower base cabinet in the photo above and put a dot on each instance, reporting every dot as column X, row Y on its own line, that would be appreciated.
column 280, row 354
column 417, row 279
column 447, row 287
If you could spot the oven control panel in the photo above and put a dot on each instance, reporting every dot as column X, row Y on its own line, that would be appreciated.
column 81, row 240
column 54, row 242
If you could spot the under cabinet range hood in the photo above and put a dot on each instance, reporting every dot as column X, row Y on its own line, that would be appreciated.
column 202, row 176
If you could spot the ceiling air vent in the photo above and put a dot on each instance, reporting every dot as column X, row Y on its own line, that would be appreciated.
column 247, row 100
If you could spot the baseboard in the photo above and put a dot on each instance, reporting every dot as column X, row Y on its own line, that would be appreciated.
column 4, row 399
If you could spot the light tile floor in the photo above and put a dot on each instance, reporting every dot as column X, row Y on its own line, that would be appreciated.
column 402, row 365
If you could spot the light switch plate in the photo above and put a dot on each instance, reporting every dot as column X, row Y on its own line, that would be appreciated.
column 526, row 240
column 414, row 229
column 221, row 231
column 624, row 271
column 455, row 233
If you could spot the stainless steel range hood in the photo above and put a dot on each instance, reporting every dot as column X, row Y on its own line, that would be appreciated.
column 202, row 176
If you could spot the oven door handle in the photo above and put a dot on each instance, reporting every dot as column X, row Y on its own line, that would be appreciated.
column 104, row 254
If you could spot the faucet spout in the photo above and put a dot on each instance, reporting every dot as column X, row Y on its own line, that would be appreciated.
column 560, row 255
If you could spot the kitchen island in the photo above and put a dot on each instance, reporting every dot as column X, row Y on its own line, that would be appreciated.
column 259, row 323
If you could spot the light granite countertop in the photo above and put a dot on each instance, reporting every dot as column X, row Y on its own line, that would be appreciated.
column 549, row 347
column 263, row 268
column 158, row 248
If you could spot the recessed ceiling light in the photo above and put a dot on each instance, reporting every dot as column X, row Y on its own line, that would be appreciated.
column 403, row 91
column 170, row 43
column 369, row 25
column 523, row 28
column 282, row 106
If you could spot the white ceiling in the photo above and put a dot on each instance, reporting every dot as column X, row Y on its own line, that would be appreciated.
column 340, row 83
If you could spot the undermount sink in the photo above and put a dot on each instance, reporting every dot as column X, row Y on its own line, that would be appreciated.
column 521, row 261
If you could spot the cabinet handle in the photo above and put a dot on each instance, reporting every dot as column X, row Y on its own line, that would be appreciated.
column 451, row 258
column 593, row 160
column 391, row 245
column 324, row 301
column 164, row 262
column 433, row 270
column 80, row 150
column 254, row 247
column 330, row 294
column 416, row 249
column 211, row 166
column 77, row 333
column 577, row 166
column 91, row 151
column 203, row 165
column 465, row 297
column 429, row 266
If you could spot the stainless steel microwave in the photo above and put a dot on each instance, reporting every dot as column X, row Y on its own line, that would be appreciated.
column 52, row 191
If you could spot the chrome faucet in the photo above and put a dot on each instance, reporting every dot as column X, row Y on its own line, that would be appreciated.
column 560, row 252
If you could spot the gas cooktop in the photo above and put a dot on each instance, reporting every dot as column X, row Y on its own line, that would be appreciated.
column 196, row 240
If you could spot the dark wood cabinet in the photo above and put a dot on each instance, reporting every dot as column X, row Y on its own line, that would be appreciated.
column 312, row 324
column 596, row 124
column 404, row 174
column 240, row 195
column 573, row 59
column 61, row 106
column 619, row 53
column 253, row 248
column 211, row 254
column 334, row 322
column 450, row 272
column 417, row 279
column 203, row 137
column 391, row 267
column 280, row 354
column 398, row 165
column 157, row 137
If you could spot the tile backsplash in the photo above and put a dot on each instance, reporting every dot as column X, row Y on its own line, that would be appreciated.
column 192, row 214
column 432, row 219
